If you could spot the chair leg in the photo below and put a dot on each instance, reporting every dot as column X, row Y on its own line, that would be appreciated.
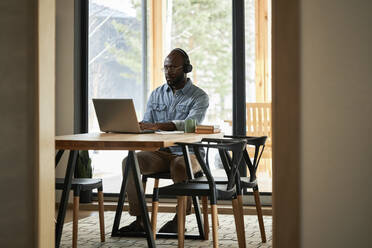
column 241, row 211
column 214, row 225
column 239, row 223
column 101, row 215
column 205, row 216
column 144, row 182
column 155, row 207
column 75, row 221
column 259, row 214
column 181, row 213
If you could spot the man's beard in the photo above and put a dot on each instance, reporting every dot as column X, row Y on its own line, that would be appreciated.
column 177, row 81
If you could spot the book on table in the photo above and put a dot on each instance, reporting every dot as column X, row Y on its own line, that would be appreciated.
column 207, row 129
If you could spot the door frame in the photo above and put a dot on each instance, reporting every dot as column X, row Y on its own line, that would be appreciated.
column 44, row 196
column 286, row 99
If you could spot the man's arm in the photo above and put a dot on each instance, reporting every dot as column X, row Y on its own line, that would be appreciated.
column 147, row 122
column 166, row 126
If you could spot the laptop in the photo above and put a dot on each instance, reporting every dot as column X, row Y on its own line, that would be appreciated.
column 117, row 116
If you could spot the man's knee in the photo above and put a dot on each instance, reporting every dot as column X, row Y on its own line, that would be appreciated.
column 144, row 162
column 178, row 170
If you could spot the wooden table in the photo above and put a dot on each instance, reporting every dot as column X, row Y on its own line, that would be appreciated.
column 116, row 141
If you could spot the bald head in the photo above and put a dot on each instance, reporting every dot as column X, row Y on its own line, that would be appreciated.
column 173, row 69
column 181, row 53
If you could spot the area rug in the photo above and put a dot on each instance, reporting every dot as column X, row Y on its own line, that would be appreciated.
column 89, row 235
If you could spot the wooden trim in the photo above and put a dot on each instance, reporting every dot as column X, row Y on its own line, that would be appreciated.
column 45, row 124
column 286, row 65
column 156, row 43
column 262, row 68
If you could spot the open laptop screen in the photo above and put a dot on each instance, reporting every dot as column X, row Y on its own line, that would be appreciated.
column 116, row 115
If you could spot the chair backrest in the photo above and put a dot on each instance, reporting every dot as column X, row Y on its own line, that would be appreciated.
column 259, row 144
column 237, row 147
column 259, row 120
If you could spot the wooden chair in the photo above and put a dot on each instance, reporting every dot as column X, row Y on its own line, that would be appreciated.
column 203, row 235
column 245, row 182
column 251, row 182
column 259, row 123
column 209, row 188
column 83, row 184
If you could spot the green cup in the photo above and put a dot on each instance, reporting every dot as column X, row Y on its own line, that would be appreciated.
column 190, row 125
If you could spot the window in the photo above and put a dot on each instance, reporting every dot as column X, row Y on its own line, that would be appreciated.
column 122, row 44
column 114, row 71
column 258, row 80
column 204, row 30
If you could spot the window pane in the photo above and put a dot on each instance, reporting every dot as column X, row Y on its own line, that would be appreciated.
column 115, row 71
column 258, row 81
column 250, row 50
column 204, row 30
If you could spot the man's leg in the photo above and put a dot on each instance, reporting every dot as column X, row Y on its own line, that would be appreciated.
column 178, row 168
column 149, row 162
column 178, row 174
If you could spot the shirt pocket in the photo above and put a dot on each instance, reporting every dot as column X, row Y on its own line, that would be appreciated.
column 182, row 111
column 159, row 112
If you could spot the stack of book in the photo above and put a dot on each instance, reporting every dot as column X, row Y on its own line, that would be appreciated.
column 207, row 129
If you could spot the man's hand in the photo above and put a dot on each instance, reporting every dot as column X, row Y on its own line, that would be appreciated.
column 148, row 126
column 168, row 126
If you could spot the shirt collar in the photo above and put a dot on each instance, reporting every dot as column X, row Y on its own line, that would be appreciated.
column 184, row 89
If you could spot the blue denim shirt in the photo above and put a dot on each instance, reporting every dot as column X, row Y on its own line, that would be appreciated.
column 190, row 102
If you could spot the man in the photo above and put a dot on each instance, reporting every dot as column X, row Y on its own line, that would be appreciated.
column 167, row 109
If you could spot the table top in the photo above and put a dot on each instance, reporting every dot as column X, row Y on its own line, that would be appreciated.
column 118, row 141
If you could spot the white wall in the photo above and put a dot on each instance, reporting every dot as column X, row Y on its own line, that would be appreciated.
column 65, row 67
column 336, row 50
column 64, row 76
column 27, row 62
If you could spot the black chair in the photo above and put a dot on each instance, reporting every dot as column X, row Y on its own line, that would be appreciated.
column 251, row 181
column 83, row 184
column 195, row 187
column 155, row 207
column 246, row 182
